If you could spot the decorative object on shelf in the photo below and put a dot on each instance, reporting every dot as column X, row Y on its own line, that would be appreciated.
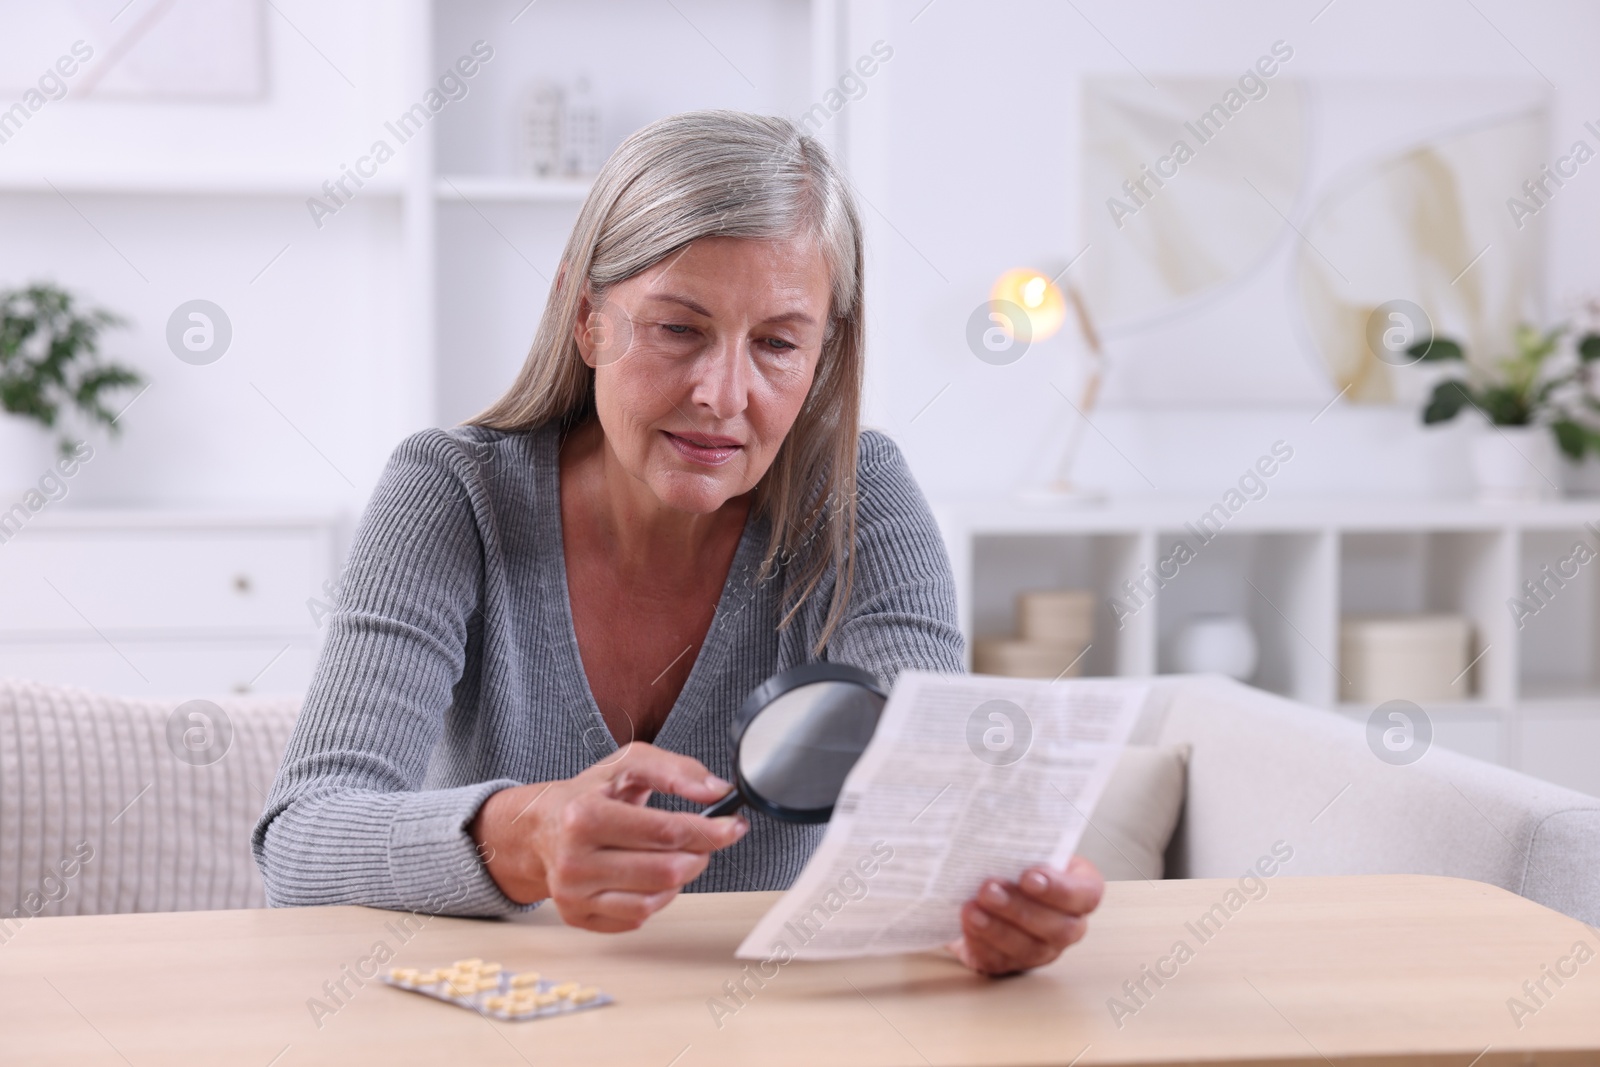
column 26, row 453
column 1538, row 398
column 1055, row 628
column 1216, row 644
column 50, row 367
column 1513, row 464
column 559, row 132
column 1411, row 657
column 582, row 144
column 539, row 130
column 1056, row 616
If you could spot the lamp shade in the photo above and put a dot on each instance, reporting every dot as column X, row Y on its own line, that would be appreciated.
column 1036, row 295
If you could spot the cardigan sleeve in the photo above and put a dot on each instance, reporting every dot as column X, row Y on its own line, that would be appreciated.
column 348, row 821
column 902, row 608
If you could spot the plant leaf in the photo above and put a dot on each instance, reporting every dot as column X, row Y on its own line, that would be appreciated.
column 1449, row 397
column 50, row 356
column 1435, row 349
column 1589, row 347
column 1571, row 437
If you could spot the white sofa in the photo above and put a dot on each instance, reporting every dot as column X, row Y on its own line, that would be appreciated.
column 1264, row 769
column 83, row 771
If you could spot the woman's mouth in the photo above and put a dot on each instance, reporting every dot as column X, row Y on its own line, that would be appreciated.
column 705, row 449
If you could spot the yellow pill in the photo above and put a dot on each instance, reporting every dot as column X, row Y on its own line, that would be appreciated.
column 544, row 1000
column 483, row 985
column 489, row 968
column 565, row 989
column 584, row 995
column 525, row 979
column 472, row 964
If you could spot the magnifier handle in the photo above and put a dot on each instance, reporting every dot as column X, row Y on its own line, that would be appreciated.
column 726, row 806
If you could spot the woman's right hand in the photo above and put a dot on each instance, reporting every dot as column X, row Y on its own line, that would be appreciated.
column 591, row 845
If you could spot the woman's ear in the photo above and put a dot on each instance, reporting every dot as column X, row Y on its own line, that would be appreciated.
column 603, row 330
column 583, row 328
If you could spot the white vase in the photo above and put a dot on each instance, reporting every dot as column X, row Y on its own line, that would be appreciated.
column 27, row 452
column 1512, row 464
column 1216, row 644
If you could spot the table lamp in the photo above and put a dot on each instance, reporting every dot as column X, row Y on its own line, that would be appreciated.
column 1042, row 299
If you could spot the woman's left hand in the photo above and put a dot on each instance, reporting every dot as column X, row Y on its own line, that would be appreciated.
column 1014, row 926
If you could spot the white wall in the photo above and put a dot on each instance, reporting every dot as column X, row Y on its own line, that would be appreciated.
column 962, row 149
column 973, row 170
column 321, row 333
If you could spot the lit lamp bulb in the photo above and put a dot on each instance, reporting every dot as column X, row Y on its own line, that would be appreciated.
column 1036, row 295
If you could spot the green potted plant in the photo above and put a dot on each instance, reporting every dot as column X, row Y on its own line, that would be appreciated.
column 51, row 372
column 1535, row 401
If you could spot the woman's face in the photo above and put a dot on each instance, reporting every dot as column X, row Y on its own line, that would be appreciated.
column 703, row 361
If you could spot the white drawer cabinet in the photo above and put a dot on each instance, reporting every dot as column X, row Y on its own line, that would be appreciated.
column 166, row 604
column 158, row 580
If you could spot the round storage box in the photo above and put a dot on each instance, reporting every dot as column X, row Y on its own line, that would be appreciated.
column 1026, row 659
column 1056, row 617
column 1405, row 657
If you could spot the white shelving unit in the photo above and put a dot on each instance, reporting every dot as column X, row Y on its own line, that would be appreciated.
column 1293, row 569
column 413, row 307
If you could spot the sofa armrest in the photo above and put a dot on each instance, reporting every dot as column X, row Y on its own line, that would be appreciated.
column 1265, row 769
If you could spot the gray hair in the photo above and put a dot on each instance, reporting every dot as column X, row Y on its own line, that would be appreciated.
column 723, row 174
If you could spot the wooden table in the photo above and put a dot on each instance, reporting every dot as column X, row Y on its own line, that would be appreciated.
column 1374, row 970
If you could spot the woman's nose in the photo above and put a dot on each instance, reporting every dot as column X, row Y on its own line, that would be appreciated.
column 723, row 378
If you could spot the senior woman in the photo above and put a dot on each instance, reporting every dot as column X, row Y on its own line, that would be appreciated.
column 550, row 615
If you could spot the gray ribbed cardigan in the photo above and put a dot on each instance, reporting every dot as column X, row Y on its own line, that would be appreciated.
column 451, row 671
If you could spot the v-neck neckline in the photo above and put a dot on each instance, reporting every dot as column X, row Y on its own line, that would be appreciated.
column 678, row 715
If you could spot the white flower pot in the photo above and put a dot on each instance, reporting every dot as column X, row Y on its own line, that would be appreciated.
column 1513, row 464
column 27, row 452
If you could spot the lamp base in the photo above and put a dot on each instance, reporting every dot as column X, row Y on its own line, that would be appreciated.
column 1063, row 494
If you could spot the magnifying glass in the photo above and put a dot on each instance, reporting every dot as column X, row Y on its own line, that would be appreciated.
column 796, row 738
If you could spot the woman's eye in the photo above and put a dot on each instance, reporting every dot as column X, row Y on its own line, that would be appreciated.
column 778, row 344
column 677, row 328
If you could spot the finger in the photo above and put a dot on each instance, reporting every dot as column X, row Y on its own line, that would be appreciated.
column 1043, row 921
column 1076, row 891
column 602, row 822
column 997, row 947
column 615, row 911
column 641, row 769
column 648, row 871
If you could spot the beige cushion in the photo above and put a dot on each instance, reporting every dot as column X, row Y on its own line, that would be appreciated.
column 1130, row 827
column 101, row 812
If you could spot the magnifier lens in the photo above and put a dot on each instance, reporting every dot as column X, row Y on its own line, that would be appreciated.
column 796, row 753
column 796, row 738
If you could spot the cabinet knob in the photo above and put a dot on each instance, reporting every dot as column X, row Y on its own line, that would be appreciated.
column 241, row 583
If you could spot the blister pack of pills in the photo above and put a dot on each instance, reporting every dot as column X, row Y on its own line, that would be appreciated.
column 491, row 990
